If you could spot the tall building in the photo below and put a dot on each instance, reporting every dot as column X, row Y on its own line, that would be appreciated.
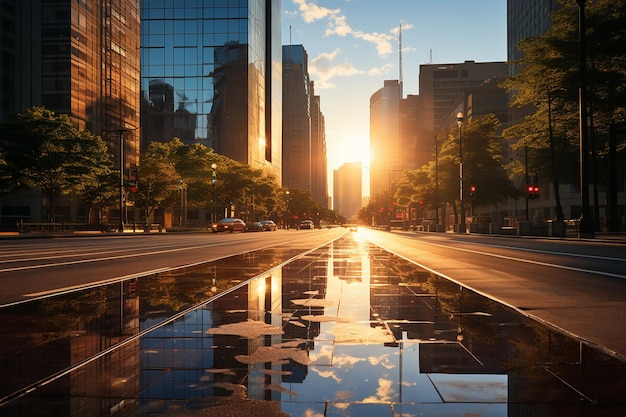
column 526, row 18
column 296, row 119
column 79, row 58
column 304, row 130
column 211, row 73
column 385, row 145
column 443, row 86
column 319, row 156
column 347, row 189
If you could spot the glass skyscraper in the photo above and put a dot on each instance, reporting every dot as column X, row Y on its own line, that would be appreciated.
column 211, row 74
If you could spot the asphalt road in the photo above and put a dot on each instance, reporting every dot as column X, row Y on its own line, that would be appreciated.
column 579, row 287
column 31, row 268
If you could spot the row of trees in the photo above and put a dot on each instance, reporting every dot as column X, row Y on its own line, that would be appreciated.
column 40, row 149
column 546, row 90
column 438, row 182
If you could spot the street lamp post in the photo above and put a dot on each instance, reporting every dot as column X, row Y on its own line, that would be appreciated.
column 459, row 120
column 121, row 132
column 586, row 228
column 436, row 184
column 214, row 181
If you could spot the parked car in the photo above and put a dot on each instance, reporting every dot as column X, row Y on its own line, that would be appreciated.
column 229, row 224
column 269, row 225
column 307, row 224
column 254, row 227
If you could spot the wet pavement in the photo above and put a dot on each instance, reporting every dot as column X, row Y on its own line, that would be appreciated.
column 347, row 329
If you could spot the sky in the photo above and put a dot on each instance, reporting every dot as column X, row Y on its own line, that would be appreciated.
column 353, row 47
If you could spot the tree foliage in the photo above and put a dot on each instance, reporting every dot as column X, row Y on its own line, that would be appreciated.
column 482, row 167
column 43, row 149
column 548, row 82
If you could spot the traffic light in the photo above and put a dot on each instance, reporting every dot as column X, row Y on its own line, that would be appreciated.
column 533, row 191
column 132, row 177
column 472, row 191
column 134, row 189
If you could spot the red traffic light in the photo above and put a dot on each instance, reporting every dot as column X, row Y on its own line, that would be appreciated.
column 134, row 189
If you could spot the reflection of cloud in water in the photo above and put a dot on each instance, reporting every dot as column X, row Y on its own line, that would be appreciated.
column 325, row 319
column 325, row 352
column 315, row 302
column 382, row 360
column 326, row 374
column 384, row 392
column 249, row 329
column 343, row 395
column 221, row 371
column 345, row 360
column 275, row 355
column 280, row 388
column 355, row 333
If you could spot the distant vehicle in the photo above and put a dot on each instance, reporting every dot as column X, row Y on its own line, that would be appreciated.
column 269, row 225
column 229, row 224
column 307, row 224
column 254, row 227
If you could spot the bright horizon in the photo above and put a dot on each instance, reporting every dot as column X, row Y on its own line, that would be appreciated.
column 353, row 48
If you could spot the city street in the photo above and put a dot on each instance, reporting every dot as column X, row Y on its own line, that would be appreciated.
column 574, row 285
column 318, row 323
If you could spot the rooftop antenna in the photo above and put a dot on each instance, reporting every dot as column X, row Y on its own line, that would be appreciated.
column 400, row 61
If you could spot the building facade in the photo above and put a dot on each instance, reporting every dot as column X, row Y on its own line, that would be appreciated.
column 385, row 146
column 319, row 156
column 347, row 190
column 211, row 73
column 304, row 130
column 79, row 58
column 297, row 146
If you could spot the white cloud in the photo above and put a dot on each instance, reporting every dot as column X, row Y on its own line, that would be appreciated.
column 337, row 25
column 323, row 68
column 383, row 42
column 312, row 12
column 385, row 69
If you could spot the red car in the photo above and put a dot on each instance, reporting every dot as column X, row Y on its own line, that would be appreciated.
column 229, row 224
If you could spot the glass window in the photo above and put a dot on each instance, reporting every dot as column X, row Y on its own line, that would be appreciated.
column 191, row 56
column 155, row 27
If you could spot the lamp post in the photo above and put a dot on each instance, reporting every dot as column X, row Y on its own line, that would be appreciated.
column 459, row 121
column 436, row 184
column 214, row 181
column 586, row 228
column 121, row 132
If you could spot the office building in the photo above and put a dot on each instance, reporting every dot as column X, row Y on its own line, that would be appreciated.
column 347, row 190
column 319, row 156
column 211, row 74
column 296, row 119
column 79, row 58
column 304, row 130
column 443, row 86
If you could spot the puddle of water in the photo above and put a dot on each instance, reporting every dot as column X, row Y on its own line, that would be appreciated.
column 348, row 329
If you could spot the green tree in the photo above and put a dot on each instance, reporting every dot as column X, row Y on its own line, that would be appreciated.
column 482, row 167
column 43, row 149
column 166, row 167
column 548, row 70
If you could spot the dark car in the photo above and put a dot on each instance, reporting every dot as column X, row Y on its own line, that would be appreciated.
column 269, row 225
column 229, row 224
column 254, row 227
column 307, row 224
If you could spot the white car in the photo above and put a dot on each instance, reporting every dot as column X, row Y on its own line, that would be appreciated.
column 307, row 224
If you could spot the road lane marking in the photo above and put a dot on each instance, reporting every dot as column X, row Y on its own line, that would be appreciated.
column 529, row 261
